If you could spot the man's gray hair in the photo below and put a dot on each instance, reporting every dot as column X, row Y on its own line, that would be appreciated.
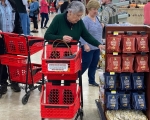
column 76, row 6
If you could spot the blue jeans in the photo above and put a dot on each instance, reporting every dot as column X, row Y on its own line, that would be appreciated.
column 25, row 22
column 44, row 16
column 90, row 61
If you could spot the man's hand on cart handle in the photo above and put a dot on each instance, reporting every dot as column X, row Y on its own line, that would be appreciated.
column 0, row 34
column 101, row 47
column 67, row 39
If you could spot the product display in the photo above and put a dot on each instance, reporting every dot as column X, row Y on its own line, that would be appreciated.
column 125, row 115
column 113, row 44
column 141, row 64
column 127, row 63
column 142, row 43
column 113, row 63
column 126, row 88
column 138, row 81
column 112, row 101
column 128, row 44
column 125, row 81
column 110, row 81
column 124, row 101
column 138, row 101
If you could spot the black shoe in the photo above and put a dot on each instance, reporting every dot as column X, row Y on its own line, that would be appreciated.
column 45, row 27
column 3, row 89
column 94, row 84
column 42, row 27
column 15, row 87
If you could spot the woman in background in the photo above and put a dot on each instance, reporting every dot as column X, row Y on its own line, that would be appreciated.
column 44, row 13
column 90, row 53
column 34, row 6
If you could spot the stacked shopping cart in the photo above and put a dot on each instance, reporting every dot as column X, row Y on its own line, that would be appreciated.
column 19, row 48
column 61, row 61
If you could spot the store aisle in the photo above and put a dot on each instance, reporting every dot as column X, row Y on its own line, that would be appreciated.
column 11, row 107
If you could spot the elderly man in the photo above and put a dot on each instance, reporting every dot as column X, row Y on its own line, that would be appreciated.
column 108, row 14
column 9, row 22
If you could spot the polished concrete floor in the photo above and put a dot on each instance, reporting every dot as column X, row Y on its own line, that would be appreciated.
column 11, row 107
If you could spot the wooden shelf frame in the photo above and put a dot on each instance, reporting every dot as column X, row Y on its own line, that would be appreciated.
column 134, row 29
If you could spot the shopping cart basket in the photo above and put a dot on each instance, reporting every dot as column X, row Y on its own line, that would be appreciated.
column 19, row 48
column 61, row 61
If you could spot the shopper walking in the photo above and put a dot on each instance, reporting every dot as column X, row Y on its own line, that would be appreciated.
column 147, row 13
column 69, row 26
column 22, row 6
column 90, row 53
column 44, row 13
column 34, row 11
column 9, row 22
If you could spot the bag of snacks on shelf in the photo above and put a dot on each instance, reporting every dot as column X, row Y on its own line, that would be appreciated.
column 125, row 81
column 110, row 81
column 139, row 102
column 112, row 101
column 124, row 101
column 138, row 81
column 127, row 63
column 128, row 44
column 113, row 63
column 141, row 64
column 113, row 43
column 142, row 43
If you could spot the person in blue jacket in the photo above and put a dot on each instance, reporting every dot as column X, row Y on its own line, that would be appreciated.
column 34, row 6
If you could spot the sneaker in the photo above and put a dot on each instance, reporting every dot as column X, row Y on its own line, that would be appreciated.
column 42, row 27
column 15, row 87
column 45, row 27
column 94, row 84
column 3, row 89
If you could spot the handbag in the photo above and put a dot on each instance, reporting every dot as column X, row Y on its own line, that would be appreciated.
column 36, row 12
column 55, row 53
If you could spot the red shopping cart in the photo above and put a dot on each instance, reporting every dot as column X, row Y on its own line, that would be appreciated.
column 19, row 48
column 61, row 61
column 52, row 8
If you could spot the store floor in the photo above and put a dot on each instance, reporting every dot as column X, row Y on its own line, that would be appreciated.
column 11, row 107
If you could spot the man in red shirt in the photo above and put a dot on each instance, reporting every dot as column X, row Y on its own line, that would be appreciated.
column 147, row 13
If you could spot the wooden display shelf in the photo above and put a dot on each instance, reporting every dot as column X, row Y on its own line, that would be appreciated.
column 134, row 29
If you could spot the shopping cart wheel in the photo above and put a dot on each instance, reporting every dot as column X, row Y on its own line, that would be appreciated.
column 81, row 114
column 25, row 98
column 40, row 87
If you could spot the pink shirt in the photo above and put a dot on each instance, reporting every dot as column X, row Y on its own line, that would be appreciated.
column 44, row 6
column 147, row 14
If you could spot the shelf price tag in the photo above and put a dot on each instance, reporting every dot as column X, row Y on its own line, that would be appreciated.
column 115, row 33
column 115, row 53
column 113, row 92
column 112, row 73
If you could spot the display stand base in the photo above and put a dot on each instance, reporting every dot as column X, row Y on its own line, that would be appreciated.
column 100, row 110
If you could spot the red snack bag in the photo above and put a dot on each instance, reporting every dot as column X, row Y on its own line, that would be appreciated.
column 142, row 43
column 113, row 63
column 141, row 63
column 113, row 43
column 127, row 63
column 128, row 44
